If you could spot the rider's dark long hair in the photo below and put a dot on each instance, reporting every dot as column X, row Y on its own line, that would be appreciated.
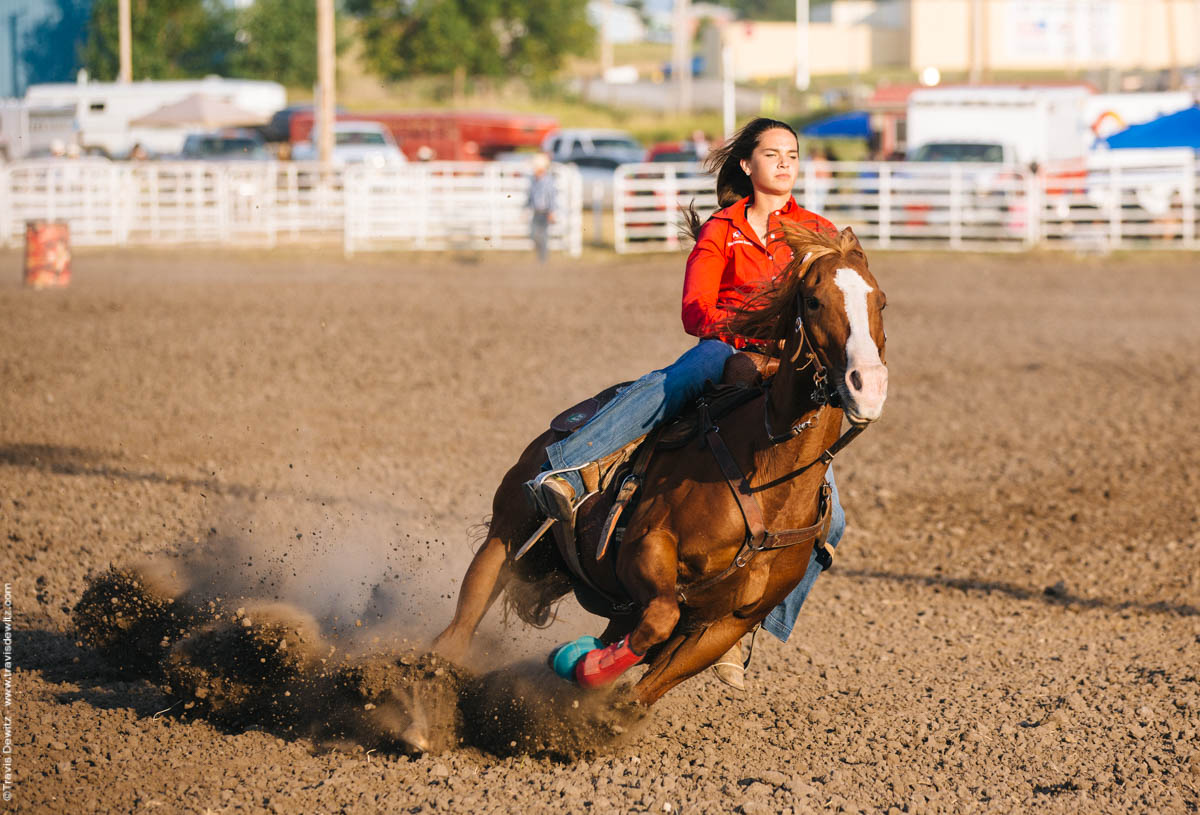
column 725, row 162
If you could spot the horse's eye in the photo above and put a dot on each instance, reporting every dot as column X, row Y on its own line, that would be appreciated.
column 812, row 303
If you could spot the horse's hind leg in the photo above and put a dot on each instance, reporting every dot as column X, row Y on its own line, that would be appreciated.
column 490, row 571
column 686, row 655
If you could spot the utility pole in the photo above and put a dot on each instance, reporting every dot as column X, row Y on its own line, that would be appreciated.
column 125, row 36
column 728, row 90
column 976, row 75
column 325, row 81
column 681, row 55
column 803, row 65
column 1173, row 75
column 606, row 46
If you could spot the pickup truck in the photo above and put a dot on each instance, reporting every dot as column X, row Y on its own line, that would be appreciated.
column 356, row 142
column 589, row 147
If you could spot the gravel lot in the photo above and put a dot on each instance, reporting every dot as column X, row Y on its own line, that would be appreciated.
column 1013, row 623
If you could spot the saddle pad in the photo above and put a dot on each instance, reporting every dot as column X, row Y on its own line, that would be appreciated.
column 578, row 415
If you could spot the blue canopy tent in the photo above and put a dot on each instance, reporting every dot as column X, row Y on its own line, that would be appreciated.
column 855, row 124
column 1180, row 129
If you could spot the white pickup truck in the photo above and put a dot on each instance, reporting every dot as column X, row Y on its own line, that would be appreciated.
column 1004, row 125
column 356, row 142
column 591, row 147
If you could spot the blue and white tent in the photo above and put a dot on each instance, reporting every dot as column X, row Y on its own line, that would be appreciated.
column 1181, row 129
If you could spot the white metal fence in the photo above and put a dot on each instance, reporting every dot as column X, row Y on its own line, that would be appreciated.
column 1120, row 200
column 439, row 205
column 422, row 206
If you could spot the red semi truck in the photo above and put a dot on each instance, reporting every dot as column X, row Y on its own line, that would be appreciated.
column 447, row 135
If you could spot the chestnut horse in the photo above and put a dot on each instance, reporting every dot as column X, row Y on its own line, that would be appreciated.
column 694, row 583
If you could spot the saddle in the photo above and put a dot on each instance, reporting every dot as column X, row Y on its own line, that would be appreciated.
column 612, row 484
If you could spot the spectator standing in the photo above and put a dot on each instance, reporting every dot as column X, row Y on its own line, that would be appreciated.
column 543, row 201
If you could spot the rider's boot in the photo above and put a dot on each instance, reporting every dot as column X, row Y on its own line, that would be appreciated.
column 730, row 668
column 554, row 496
column 604, row 665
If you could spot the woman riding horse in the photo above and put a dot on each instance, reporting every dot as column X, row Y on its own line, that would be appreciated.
column 738, row 250
column 731, row 260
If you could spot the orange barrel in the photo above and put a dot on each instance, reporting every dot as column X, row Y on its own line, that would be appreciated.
column 47, row 254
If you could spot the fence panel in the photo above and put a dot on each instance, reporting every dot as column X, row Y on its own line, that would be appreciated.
column 649, row 201
column 82, row 193
column 308, row 204
column 456, row 205
column 1121, row 201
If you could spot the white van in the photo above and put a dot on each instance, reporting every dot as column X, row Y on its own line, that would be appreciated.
column 103, row 110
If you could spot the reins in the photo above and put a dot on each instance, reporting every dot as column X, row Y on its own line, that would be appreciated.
column 758, row 537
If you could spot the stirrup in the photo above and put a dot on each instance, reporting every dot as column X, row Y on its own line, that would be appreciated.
column 535, row 488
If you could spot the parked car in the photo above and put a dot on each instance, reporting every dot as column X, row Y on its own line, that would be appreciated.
column 224, row 145
column 279, row 128
column 591, row 147
column 677, row 151
column 356, row 142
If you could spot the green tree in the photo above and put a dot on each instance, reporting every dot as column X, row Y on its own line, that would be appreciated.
column 483, row 37
column 767, row 9
column 277, row 40
column 172, row 39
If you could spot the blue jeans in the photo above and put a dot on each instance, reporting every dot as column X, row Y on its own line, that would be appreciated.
column 539, row 230
column 656, row 397
column 782, row 619
column 640, row 406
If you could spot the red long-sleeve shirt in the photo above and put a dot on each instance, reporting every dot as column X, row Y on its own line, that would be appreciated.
column 730, row 262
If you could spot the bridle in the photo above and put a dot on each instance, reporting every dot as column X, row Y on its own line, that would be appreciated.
column 820, row 396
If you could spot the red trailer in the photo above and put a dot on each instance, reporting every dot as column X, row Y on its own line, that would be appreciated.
column 447, row 135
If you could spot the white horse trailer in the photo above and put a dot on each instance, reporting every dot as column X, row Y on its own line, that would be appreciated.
column 1007, row 125
column 103, row 110
column 28, row 131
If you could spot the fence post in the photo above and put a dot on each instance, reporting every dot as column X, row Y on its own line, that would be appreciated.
column 349, row 210
column 885, row 205
column 1033, row 208
column 495, row 193
column 1187, row 194
column 810, row 175
column 576, row 213
column 671, row 209
column 956, row 208
column 1116, row 200
column 620, row 239
column 6, row 193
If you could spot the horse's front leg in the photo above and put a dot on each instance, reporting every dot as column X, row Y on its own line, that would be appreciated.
column 647, row 567
column 687, row 654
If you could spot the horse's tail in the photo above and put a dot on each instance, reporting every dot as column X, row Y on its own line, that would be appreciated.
column 535, row 602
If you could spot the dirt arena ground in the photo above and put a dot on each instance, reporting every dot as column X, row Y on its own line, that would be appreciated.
column 1012, row 625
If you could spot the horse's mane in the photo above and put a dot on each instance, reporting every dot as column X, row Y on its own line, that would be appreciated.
column 765, row 313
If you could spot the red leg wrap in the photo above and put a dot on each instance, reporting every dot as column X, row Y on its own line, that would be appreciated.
column 604, row 665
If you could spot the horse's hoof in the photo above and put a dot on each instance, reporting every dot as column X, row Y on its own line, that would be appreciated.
column 415, row 739
column 565, row 657
column 602, row 666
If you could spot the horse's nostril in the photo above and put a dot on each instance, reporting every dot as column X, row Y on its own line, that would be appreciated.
column 856, row 380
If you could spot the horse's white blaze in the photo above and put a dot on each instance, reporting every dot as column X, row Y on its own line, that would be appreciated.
column 862, row 357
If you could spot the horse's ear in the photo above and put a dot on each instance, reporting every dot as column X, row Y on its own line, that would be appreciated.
column 850, row 244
